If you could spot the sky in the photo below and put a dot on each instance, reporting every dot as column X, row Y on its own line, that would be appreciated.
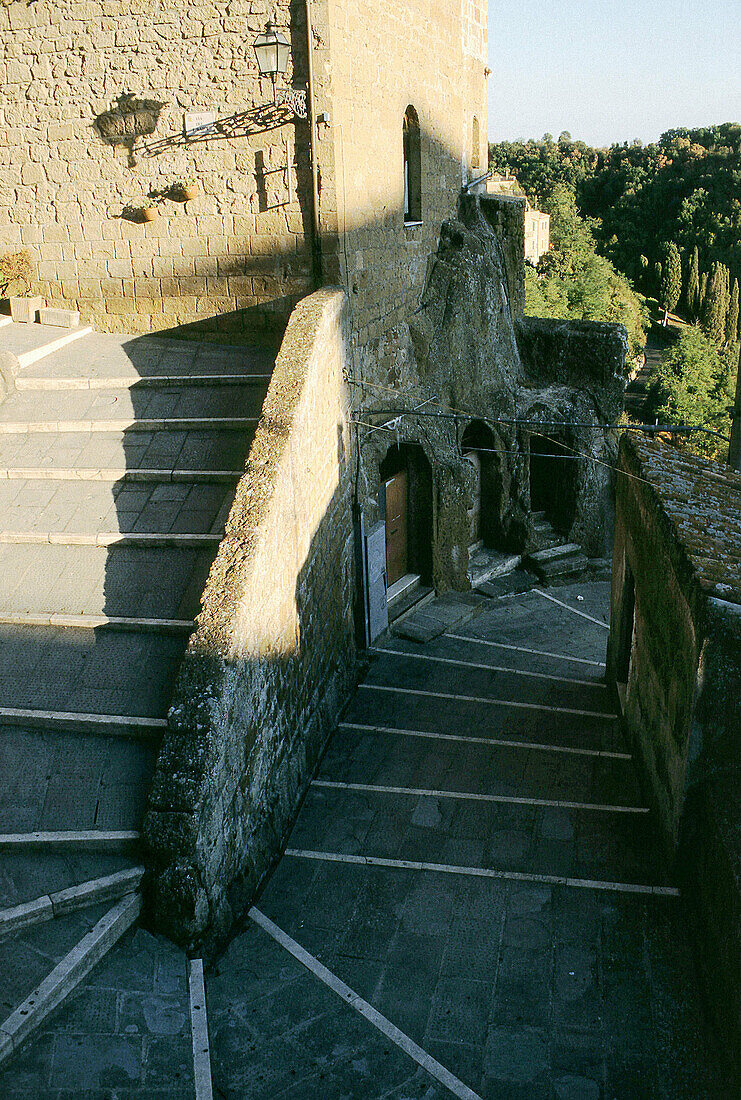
column 612, row 71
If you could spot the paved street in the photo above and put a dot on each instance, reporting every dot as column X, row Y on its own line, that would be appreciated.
column 516, row 921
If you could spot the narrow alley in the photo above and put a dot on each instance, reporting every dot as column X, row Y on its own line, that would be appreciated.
column 474, row 872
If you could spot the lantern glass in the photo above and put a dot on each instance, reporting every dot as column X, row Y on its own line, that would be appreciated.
column 272, row 50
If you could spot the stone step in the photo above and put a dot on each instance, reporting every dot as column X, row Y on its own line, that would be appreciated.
column 166, row 451
column 519, row 580
column 563, row 550
column 523, row 839
column 571, row 568
column 118, row 581
column 31, row 344
column 61, row 982
column 71, row 840
column 54, row 670
column 101, row 355
column 53, row 905
column 486, row 564
column 135, row 383
column 482, row 770
column 92, row 506
column 158, row 405
column 420, row 672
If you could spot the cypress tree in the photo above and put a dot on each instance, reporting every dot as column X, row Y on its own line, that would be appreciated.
column 713, row 314
column 670, row 286
column 732, row 318
column 703, row 293
column 693, row 285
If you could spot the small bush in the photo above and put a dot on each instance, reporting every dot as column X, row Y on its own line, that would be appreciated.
column 16, row 270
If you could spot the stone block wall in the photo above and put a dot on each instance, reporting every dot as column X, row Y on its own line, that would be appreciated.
column 373, row 61
column 675, row 653
column 272, row 657
column 240, row 251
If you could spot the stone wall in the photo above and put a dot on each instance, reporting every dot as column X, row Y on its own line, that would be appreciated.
column 675, row 651
column 371, row 62
column 270, row 662
column 243, row 250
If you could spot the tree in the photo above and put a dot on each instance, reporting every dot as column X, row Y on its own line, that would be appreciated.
column 732, row 318
column 692, row 294
column 564, row 138
column 691, row 387
column 713, row 312
column 703, row 292
column 670, row 286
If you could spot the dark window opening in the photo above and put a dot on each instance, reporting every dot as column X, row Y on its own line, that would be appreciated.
column 478, row 447
column 553, row 480
column 412, row 167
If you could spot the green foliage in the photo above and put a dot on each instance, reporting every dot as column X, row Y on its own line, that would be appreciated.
column 670, row 287
column 715, row 306
column 573, row 281
column 694, row 385
column 732, row 317
column 685, row 188
column 16, row 271
column 692, row 294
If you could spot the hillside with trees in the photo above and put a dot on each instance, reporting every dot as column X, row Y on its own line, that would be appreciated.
column 667, row 216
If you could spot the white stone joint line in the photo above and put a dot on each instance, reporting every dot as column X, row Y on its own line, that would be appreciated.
column 494, row 742
column 490, row 702
column 199, row 1031
column 505, row 799
column 573, row 610
column 67, row 974
column 523, row 649
column 372, row 1015
column 485, row 872
column 487, row 668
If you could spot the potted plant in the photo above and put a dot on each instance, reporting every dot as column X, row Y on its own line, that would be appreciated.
column 184, row 190
column 16, row 271
column 147, row 211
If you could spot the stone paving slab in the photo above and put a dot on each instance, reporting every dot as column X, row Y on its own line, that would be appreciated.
column 24, row 877
column 54, row 668
column 103, row 354
column 161, row 583
column 70, row 781
column 124, row 1033
column 521, row 990
column 87, row 507
column 142, row 403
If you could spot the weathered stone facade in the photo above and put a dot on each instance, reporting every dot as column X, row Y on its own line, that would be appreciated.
column 473, row 361
column 271, row 659
column 675, row 655
column 92, row 105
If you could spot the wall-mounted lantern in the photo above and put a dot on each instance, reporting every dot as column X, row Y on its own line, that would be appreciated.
column 272, row 50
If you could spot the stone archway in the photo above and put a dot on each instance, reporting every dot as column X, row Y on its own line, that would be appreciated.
column 405, row 503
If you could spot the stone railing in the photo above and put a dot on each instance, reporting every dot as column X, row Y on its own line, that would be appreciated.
column 272, row 656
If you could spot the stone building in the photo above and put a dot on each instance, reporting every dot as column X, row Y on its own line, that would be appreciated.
column 537, row 222
column 674, row 657
column 97, row 103
column 414, row 416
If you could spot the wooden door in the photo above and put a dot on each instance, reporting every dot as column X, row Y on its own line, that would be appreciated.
column 396, row 527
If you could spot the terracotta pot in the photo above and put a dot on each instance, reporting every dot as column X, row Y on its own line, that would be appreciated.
column 149, row 213
column 185, row 194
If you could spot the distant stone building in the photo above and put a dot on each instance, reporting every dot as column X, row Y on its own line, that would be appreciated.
column 537, row 223
column 674, row 657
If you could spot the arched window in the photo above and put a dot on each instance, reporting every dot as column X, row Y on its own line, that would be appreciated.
column 412, row 167
column 475, row 143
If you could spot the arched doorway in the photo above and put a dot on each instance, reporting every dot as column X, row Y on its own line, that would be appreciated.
column 553, row 478
column 405, row 502
column 478, row 447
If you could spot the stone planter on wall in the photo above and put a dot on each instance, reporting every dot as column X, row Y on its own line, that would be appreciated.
column 25, row 309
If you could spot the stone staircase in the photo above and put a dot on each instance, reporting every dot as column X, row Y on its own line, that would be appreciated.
column 473, row 901
column 118, row 461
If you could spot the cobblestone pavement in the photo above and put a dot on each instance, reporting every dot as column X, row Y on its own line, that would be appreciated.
column 522, row 986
